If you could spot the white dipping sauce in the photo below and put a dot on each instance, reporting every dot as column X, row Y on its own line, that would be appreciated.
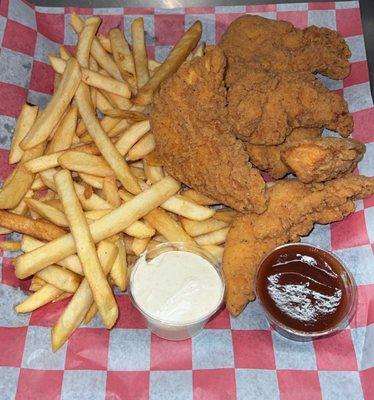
column 176, row 286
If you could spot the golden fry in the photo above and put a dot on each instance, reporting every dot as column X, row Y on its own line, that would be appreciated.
column 8, row 245
column 49, row 118
column 121, row 52
column 114, row 222
column 143, row 147
column 139, row 52
column 36, row 228
column 86, row 250
column 173, row 61
column 24, row 123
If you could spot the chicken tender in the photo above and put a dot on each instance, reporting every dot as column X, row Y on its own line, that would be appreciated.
column 323, row 159
column 268, row 158
column 264, row 107
column 280, row 47
column 307, row 155
column 195, row 141
column 293, row 208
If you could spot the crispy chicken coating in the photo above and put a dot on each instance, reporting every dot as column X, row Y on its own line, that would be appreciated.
column 322, row 159
column 268, row 158
column 264, row 107
column 307, row 155
column 194, row 139
column 293, row 208
column 280, row 47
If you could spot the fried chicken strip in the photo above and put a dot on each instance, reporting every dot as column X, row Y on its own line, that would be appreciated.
column 310, row 157
column 279, row 46
column 269, row 158
column 293, row 208
column 264, row 107
column 323, row 159
column 194, row 139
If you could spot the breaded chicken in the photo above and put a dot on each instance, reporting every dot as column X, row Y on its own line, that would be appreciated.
column 307, row 155
column 322, row 159
column 268, row 158
column 293, row 208
column 194, row 139
column 280, row 47
column 264, row 107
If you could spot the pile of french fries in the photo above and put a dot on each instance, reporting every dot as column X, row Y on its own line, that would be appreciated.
column 88, row 193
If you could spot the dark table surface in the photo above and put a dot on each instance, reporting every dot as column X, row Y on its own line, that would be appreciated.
column 367, row 13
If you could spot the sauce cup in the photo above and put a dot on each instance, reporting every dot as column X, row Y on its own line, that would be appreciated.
column 168, row 329
column 349, row 285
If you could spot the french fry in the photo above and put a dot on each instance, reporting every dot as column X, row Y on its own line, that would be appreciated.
column 199, row 51
column 139, row 245
column 43, row 296
column 47, row 178
column 114, row 222
column 153, row 174
column 110, row 191
column 82, row 300
column 196, row 228
column 48, row 212
column 119, row 270
column 97, row 50
column 62, row 296
column 94, row 181
column 64, row 53
column 36, row 228
column 86, row 36
column 55, row 108
column 36, row 284
column 108, row 150
column 105, row 42
column 86, row 163
column 187, row 208
column 137, row 229
column 107, row 123
column 37, row 184
column 225, row 214
column 16, row 187
column 121, row 52
column 153, row 64
column 72, row 262
column 94, row 79
column 119, row 128
column 131, row 136
column 94, row 202
column 61, row 278
column 160, row 220
column 199, row 198
column 120, row 102
column 63, row 137
column 8, row 245
column 102, row 103
column 143, row 147
column 90, row 314
column 56, row 203
column 138, row 172
column 173, row 61
column 24, row 123
column 101, row 291
column 135, row 116
column 215, row 251
column 216, row 237
column 139, row 52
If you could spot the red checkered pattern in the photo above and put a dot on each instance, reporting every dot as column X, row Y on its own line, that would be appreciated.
column 241, row 358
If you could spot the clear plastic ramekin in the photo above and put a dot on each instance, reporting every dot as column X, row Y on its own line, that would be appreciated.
column 350, row 288
column 173, row 330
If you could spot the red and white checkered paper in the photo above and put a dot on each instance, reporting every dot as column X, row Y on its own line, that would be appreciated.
column 233, row 357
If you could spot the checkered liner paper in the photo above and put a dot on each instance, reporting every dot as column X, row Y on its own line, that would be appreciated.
column 233, row 357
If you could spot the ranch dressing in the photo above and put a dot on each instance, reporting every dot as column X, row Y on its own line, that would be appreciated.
column 177, row 287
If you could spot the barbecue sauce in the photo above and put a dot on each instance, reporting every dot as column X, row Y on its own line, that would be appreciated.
column 302, row 288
